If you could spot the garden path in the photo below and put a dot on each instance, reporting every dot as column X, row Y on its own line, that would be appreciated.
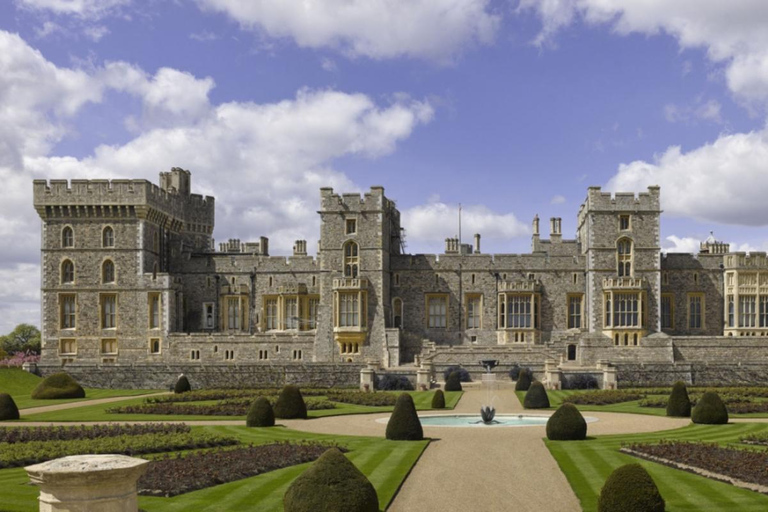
column 84, row 403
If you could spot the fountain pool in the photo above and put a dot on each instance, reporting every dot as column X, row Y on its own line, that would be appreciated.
column 473, row 420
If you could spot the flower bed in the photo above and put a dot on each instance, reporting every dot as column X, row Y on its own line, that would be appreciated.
column 28, row 434
column 203, row 395
column 734, row 401
column 760, row 439
column 233, row 407
column 185, row 473
column 602, row 397
column 361, row 398
column 746, row 391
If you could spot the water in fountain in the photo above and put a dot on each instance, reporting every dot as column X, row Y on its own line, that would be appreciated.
column 487, row 412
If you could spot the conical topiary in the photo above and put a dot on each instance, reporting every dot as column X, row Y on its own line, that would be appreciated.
column 404, row 424
column 630, row 489
column 260, row 414
column 331, row 484
column 438, row 400
column 182, row 384
column 710, row 410
column 536, row 397
column 453, row 382
column 567, row 424
column 679, row 404
column 290, row 404
column 8, row 409
column 58, row 385
column 523, row 380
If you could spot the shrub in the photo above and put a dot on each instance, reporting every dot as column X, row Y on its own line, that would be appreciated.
column 602, row 397
column 260, row 414
column 182, row 385
column 332, row 483
column 404, row 424
column 8, row 409
column 580, row 381
column 453, row 382
column 679, row 404
column 290, row 404
column 524, row 380
column 567, row 424
column 389, row 382
column 464, row 375
column 630, row 489
column 58, row 385
column 536, row 397
column 710, row 410
column 514, row 372
column 438, row 400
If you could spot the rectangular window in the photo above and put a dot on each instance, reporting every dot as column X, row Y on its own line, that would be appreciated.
column 474, row 311
column 351, row 226
column 291, row 313
column 574, row 311
column 108, row 311
column 624, row 222
column 626, row 310
column 233, row 313
column 109, row 346
column 298, row 355
column 695, row 308
column 67, row 311
column 313, row 307
column 349, row 310
column 747, row 310
column 208, row 315
column 154, row 345
column 731, row 312
column 667, row 311
column 154, row 310
column 67, row 347
column 270, row 314
column 437, row 312
column 763, row 311
column 519, row 311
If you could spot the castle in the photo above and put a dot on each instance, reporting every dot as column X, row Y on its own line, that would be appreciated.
column 132, row 288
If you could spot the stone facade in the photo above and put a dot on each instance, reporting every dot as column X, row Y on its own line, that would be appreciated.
column 132, row 284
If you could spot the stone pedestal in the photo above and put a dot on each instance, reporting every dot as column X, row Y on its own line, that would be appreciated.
column 29, row 367
column 609, row 377
column 552, row 374
column 424, row 376
column 86, row 483
column 367, row 377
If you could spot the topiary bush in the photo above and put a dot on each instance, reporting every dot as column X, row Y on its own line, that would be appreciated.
column 453, row 382
column 389, row 382
column 567, row 424
column 710, row 410
column 331, row 484
column 679, row 404
column 182, row 385
column 290, row 404
column 260, row 414
column 536, row 397
column 580, row 381
column 404, row 424
column 8, row 409
column 438, row 400
column 464, row 375
column 58, row 385
column 630, row 489
column 524, row 380
column 514, row 372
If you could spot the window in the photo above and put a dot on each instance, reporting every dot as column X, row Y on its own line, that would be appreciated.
column 351, row 226
column 154, row 310
column 229, row 355
column 626, row 310
column 351, row 260
column 270, row 316
column 474, row 311
column 732, row 312
column 624, row 222
column 154, row 346
column 233, row 310
column 108, row 311
column 109, row 346
column 695, row 311
column 350, row 348
column 194, row 355
column 667, row 311
column 67, row 237
column 263, row 355
column 208, row 315
column 108, row 237
column 763, row 311
column 747, row 313
column 314, row 307
column 107, row 272
column 67, row 305
column 437, row 311
column 292, row 313
column 349, row 310
column 67, row 347
column 624, row 256
column 67, row 272
column 574, row 311
column 397, row 313
column 517, row 311
column 298, row 355
column 397, row 279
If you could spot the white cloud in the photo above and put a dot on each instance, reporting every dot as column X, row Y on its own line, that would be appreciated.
column 328, row 64
column 86, row 9
column 705, row 111
column 429, row 29
column 203, row 36
column 95, row 32
column 686, row 244
column 558, row 199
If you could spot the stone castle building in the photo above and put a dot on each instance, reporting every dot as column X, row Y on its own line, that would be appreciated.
column 132, row 288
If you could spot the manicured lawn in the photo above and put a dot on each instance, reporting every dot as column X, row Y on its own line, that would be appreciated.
column 587, row 464
column 385, row 463
column 19, row 384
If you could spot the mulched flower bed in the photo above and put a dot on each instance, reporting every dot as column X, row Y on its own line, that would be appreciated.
column 745, row 391
column 225, row 394
column 361, row 398
column 602, row 397
column 27, row 434
column 185, row 473
column 233, row 407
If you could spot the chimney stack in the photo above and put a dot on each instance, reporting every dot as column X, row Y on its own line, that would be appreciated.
column 477, row 243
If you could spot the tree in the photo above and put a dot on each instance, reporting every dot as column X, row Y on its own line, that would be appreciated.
column 25, row 337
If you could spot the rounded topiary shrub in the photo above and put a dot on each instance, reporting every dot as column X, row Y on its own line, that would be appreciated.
column 182, row 384
column 438, row 400
column 389, row 382
column 630, row 489
column 514, row 372
column 260, row 414
column 404, row 424
column 679, row 404
column 8, row 409
column 453, row 382
column 567, row 424
column 710, row 410
column 331, row 484
column 290, row 404
column 536, row 397
column 58, row 385
column 524, row 380
column 464, row 375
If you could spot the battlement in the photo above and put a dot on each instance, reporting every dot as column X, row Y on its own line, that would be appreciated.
column 746, row 261
column 597, row 200
column 374, row 200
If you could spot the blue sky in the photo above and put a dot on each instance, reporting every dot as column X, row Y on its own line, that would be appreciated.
column 511, row 108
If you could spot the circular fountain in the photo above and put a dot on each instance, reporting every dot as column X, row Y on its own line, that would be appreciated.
column 488, row 412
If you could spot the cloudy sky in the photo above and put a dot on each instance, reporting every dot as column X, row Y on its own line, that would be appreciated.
column 509, row 107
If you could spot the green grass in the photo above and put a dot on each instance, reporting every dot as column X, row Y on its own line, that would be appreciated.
column 587, row 464
column 385, row 463
column 422, row 399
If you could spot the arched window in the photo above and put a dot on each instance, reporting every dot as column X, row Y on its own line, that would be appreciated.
column 108, row 237
column 67, row 272
column 67, row 237
column 397, row 306
column 108, row 272
column 624, row 256
column 351, row 260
